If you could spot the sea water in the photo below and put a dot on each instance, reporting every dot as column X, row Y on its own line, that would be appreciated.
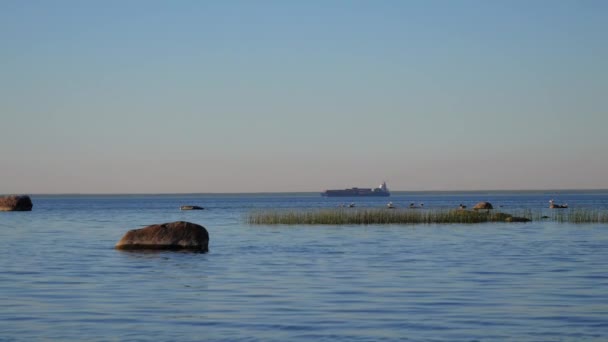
column 62, row 280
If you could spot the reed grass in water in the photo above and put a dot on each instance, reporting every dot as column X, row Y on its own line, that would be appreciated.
column 581, row 216
column 342, row 216
column 373, row 216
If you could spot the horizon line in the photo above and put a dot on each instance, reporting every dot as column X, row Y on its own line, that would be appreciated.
column 293, row 192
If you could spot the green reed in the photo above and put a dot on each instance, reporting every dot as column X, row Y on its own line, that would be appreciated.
column 341, row 216
column 580, row 215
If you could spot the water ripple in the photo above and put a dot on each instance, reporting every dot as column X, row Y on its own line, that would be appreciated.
column 61, row 279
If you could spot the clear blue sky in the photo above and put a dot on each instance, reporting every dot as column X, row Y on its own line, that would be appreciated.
column 248, row 96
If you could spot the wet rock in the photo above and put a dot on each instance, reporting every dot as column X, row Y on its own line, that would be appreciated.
column 16, row 203
column 167, row 236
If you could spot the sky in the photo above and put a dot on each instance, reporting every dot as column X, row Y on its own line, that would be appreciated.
column 281, row 96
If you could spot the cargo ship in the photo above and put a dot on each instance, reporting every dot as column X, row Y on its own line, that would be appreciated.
column 381, row 191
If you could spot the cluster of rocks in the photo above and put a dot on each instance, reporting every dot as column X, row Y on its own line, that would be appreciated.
column 179, row 235
column 507, row 218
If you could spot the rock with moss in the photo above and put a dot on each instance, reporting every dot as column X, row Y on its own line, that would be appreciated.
column 167, row 236
column 16, row 203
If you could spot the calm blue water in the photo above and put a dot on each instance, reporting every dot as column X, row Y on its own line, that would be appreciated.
column 61, row 279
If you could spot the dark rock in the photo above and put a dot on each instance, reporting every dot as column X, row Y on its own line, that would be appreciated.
column 172, row 236
column 191, row 207
column 16, row 203
column 483, row 205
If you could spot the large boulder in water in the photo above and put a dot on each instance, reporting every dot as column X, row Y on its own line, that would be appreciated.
column 172, row 236
column 16, row 203
column 483, row 205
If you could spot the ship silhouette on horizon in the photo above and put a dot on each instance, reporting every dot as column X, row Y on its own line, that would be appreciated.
column 381, row 191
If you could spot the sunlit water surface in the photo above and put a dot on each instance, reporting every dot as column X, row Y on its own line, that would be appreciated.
column 61, row 279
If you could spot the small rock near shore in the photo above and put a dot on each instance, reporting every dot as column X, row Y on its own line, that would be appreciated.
column 191, row 207
column 167, row 236
column 16, row 203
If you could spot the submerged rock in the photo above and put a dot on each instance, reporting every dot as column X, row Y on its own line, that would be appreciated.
column 483, row 205
column 16, row 203
column 171, row 236
column 487, row 216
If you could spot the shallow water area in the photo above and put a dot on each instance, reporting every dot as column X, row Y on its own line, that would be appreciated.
column 62, row 279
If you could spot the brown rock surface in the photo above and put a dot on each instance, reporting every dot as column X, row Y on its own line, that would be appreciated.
column 16, row 203
column 483, row 205
column 172, row 236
